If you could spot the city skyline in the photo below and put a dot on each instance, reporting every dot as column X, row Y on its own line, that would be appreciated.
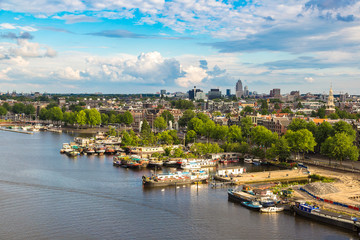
column 145, row 46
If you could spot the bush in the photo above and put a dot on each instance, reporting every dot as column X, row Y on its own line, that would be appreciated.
column 318, row 178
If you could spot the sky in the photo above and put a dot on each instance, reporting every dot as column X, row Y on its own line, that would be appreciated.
column 142, row 46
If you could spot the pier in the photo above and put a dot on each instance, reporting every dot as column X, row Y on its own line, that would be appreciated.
column 17, row 131
column 265, row 177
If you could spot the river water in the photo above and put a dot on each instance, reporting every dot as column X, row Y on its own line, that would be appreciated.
column 46, row 195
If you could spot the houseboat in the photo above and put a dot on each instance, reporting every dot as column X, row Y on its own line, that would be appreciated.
column 313, row 212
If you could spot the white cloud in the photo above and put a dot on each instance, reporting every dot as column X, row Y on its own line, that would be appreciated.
column 13, row 26
column 4, row 74
column 7, row 26
column 193, row 76
column 70, row 19
column 309, row 79
column 68, row 73
column 31, row 49
column 149, row 68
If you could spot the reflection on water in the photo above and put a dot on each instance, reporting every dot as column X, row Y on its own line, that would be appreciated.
column 46, row 195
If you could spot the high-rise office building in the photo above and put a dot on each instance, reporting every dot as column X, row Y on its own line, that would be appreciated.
column 192, row 93
column 228, row 92
column 239, row 89
column 214, row 93
column 162, row 92
column 275, row 93
column 246, row 91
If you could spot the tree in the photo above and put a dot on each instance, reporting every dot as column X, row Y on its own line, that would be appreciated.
column 119, row 118
column 323, row 132
column 75, row 108
column 186, row 117
column 280, row 149
column 126, row 139
column 208, row 129
column 183, row 104
column 220, row 132
column 204, row 148
column 263, row 137
column 72, row 118
column 264, row 104
column 344, row 127
column 203, row 117
column 234, row 134
column 18, row 108
column 160, row 123
column 145, row 128
column 128, row 118
column 165, row 138
column 190, row 136
column 173, row 134
column 297, row 124
column 29, row 109
column 104, row 118
column 277, row 106
column 216, row 114
column 56, row 114
column 341, row 147
column 112, row 118
column 112, row 131
column 168, row 116
column 300, row 141
column 333, row 116
column 247, row 110
column 51, row 105
column 6, row 106
column 286, row 110
column 3, row 111
column 44, row 114
column 321, row 112
column 81, row 118
column 196, row 124
column 246, row 126
column 311, row 126
column 93, row 117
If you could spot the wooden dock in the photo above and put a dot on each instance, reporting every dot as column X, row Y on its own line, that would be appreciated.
column 265, row 177
column 17, row 131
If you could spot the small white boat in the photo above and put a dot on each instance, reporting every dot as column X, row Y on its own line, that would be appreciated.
column 256, row 161
column 191, row 165
column 272, row 209
column 248, row 160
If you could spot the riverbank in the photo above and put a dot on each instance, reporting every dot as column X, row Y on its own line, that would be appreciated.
column 85, row 130
column 265, row 177
column 348, row 191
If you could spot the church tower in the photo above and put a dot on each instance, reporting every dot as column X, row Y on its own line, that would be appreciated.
column 330, row 106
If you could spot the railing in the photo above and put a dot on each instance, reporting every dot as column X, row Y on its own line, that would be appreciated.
column 336, row 166
column 329, row 201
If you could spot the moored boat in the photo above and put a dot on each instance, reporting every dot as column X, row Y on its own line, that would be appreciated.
column 267, row 202
column 155, row 164
column 66, row 148
column 109, row 150
column 163, row 180
column 100, row 149
column 239, row 196
column 191, row 165
column 89, row 150
column 253, row 205
column 271, row 209
column 313, row 212
column 248, row 160
column 256, row 162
